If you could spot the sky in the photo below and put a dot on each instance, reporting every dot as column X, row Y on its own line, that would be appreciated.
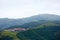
column 26, row 8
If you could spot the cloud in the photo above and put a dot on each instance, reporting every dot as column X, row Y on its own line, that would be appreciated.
column 25, row 8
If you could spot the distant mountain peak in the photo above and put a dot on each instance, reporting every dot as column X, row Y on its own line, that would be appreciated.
column 6, row 22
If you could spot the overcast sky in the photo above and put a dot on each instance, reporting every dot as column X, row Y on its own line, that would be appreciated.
column 26, row 8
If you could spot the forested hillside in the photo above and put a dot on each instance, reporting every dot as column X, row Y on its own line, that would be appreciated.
column 47, row 31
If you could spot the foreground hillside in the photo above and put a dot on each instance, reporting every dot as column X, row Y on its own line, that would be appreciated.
column 41, row 33
column 47, row 31
column 8, row 35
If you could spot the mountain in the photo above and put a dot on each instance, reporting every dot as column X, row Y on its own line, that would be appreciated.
column 50, row 31
column 46, row 31
column 5, row 22
column 30, row 24
column 34, row 24
column 39, row 27
column 43, row 17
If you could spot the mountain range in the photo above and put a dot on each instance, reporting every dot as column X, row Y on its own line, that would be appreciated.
column 5, row 22
column 38, row 27
column 46, row 31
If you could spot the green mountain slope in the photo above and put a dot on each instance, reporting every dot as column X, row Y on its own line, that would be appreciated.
column 49, row 24
column 8, row 35
column 50, row 32
column 30, row 24
column 6, row 22
column 46, row 31
column 34, row 24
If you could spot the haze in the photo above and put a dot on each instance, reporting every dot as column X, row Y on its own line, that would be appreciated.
column 26, row 8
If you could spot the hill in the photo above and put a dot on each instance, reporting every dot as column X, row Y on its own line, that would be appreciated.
column 44, row 33
column 35, row 24
column 5, row 22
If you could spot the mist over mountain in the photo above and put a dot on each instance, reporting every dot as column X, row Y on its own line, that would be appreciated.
column 50, row 17
column 38, row 27
column 5, row 22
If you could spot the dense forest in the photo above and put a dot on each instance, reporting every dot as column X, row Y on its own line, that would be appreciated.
column 47, row 31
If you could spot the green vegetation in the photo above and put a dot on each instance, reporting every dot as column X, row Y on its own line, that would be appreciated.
column 40, row 27
column 50, row 33
column 46, row 31
column 34, row 24
column 49, row 24
column 7, row 35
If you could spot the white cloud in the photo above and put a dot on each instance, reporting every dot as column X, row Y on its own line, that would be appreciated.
column 25, row 8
